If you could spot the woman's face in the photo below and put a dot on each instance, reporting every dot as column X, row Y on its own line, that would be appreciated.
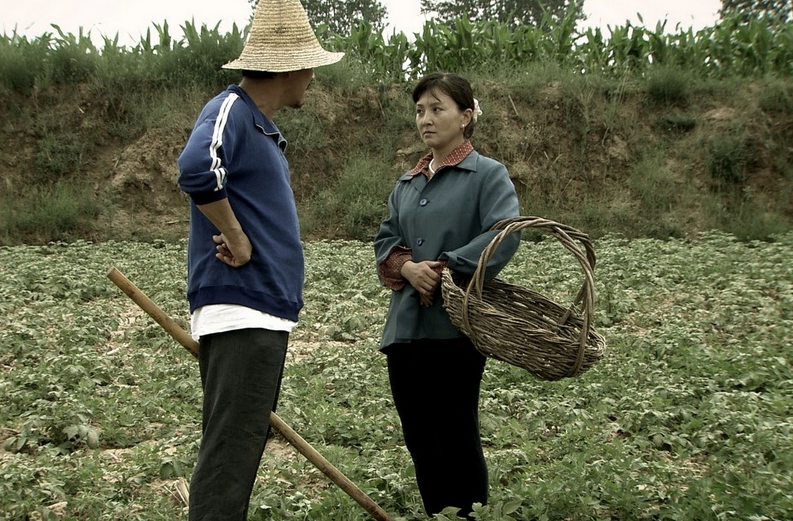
column 440, row 121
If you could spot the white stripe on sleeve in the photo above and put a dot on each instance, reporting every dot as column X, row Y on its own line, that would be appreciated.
column 217, row 140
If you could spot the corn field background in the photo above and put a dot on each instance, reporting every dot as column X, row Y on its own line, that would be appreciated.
column 732, row 47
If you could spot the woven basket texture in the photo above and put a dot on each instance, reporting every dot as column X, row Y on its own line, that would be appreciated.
column 520, row 326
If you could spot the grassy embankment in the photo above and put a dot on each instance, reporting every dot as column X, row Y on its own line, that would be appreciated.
column 641, row 132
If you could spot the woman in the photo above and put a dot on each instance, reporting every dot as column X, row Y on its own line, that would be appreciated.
column 439, row 215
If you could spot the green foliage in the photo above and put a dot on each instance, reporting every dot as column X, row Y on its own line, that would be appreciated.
column 20, row 62
column 776, row 97
column 511, row 12
column 752, row 48
column 68, row 59
column 61, row 211
column 375, row 58
column 488, row 45
column 73, row 58
column 654, row 186
column 727, row 160
column 58, row 156
column 355, row 201
column 743, row 212
column 198, row 57
column 779, row 10
column 732, row 47
column 687, row 417
column 572, row 116
column 339, row 17
column 669, row 86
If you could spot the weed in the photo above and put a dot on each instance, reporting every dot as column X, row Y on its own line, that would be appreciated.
column 727, row 160
column 355, row 200
column 776, row 98
column 654, row 186
column 18, row 63
column 668, row 86
column 60, row 211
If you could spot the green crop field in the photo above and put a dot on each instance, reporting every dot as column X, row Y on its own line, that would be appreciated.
column 688, row 417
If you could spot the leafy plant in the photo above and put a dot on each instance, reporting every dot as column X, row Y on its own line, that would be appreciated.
column 688, row 416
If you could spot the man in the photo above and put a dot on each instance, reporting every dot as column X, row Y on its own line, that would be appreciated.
column 245, row 259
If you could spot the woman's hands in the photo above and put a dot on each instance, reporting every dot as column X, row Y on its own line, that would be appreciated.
column 422, row 276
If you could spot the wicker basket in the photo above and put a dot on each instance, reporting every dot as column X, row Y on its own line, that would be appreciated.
column 522, row 327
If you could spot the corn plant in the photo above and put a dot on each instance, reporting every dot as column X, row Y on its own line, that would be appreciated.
column 732, row 47
column 21, row 61
column 383, row 60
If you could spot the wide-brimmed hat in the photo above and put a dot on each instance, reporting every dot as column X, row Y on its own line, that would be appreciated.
column 281, row 40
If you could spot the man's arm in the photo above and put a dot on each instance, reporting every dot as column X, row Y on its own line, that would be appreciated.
column 233, row 245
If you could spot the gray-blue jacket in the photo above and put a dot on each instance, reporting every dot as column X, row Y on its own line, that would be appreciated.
column 445, row 218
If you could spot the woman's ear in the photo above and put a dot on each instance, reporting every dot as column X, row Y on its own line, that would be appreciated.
column 468, row 115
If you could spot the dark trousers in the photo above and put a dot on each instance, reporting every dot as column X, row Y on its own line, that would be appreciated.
column 435, row 385
column 241, row 375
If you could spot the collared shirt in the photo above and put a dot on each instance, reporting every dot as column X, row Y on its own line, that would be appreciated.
column 391, row 268
column 454, row 158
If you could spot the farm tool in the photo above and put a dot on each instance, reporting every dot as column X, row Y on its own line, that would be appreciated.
column 294, row 439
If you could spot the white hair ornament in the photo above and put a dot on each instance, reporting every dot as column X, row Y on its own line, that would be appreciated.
column 477, row 110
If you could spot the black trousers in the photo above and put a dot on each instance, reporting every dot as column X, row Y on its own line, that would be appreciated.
column 241, row 375
column 435, row 386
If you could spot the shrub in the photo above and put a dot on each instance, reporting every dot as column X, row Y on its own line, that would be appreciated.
column 653, row 186
column 44, row 213
column 668, row 86
column 727, row 160
column 776, row 98
column 356, row 200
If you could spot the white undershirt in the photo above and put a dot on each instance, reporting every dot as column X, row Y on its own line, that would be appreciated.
column 219, row 318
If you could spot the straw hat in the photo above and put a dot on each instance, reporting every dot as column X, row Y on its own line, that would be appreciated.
column 281, row 40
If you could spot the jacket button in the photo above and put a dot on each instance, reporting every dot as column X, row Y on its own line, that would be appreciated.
column 423, row 202
column 419, row 241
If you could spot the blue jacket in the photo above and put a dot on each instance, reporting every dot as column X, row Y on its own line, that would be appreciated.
column 236, row 152
column 445, row 218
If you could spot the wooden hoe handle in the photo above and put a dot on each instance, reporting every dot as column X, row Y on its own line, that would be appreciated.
column 302, row 446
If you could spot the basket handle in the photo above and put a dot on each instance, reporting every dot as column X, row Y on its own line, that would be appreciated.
column 569, row 237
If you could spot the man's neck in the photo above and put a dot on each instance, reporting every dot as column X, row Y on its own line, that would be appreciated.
column 266, row 94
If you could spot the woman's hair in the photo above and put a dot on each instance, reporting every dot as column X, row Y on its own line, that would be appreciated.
column 453, row 85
